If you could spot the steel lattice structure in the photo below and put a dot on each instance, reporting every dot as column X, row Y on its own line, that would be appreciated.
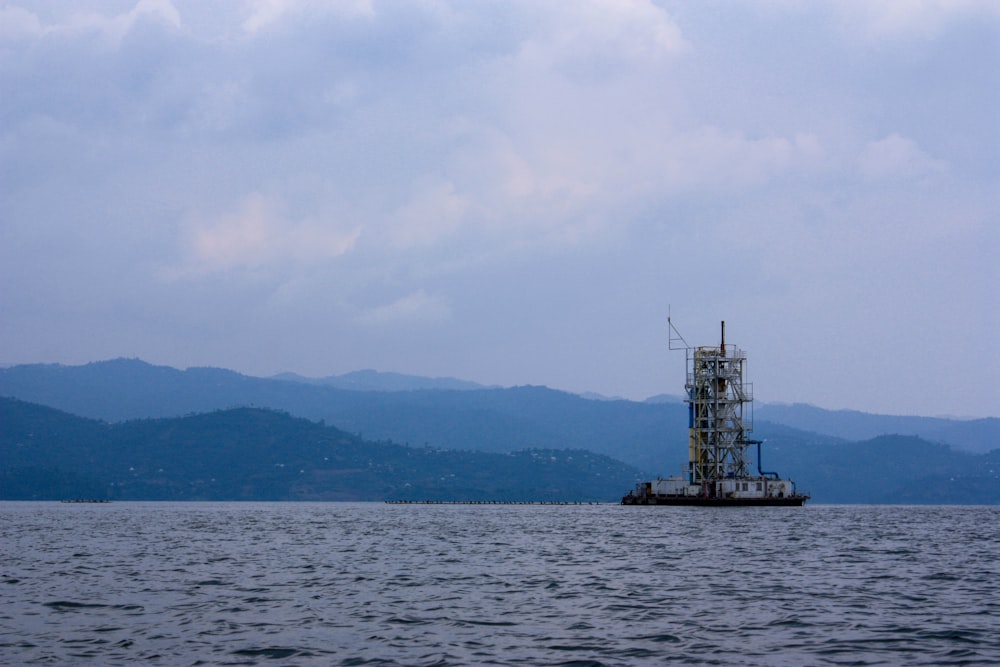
column 719, row 417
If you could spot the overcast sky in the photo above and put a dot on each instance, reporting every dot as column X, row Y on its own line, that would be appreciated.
column 510, row 192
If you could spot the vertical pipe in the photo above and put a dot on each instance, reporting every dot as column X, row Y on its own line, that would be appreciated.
column 760, row 472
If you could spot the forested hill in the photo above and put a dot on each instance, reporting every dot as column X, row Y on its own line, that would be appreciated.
column 971, row 435
column 651, row 436
column 490, row 419
column 896, row 466
column 261, row 454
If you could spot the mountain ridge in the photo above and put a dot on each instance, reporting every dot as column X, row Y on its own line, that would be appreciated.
column 263, row 454
column 372, row 380
column 124, row 388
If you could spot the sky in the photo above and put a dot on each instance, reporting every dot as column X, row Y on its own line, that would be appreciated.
column 513, row 193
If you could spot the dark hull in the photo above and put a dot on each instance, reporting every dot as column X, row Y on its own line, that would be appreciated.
column 701, row 501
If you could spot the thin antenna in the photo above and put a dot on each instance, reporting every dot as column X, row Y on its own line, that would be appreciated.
column 675, row 336
column 722, row 347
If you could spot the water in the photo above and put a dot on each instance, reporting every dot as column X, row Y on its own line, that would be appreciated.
column 374, row 584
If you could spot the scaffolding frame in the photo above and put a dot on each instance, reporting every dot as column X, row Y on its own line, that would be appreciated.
column 720, row 411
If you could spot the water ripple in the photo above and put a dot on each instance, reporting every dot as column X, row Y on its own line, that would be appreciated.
column 372, row 584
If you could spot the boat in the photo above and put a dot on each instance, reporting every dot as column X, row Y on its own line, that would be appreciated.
column 720, row 419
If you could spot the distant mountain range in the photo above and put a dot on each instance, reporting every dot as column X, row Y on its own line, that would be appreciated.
column 259, row 454
column 811, row 445
column 371, row 380
column 972, row 435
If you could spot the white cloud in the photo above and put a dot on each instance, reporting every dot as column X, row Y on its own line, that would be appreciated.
column 258, row 235
column 589, row 39
column 16, row 21
column 897, row 157
column 911, row 19
column 518, row 187
column 435, row 212
column 418, row 307
column 713, row 159
column 265, row 13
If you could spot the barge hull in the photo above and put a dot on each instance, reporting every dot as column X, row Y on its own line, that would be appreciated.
column 700, row 501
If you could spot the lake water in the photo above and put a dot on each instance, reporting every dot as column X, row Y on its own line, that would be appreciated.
column 376, row 584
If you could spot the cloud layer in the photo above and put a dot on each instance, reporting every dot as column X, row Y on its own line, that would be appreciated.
column 509, row 192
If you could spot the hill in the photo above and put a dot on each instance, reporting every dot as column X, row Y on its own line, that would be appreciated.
column 650, row 437
column 971, row 435
column 493, row 420
column 260, row 454
column 371, row 380
column 891, row 469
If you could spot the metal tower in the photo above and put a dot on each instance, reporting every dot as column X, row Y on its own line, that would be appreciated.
column 718, row 422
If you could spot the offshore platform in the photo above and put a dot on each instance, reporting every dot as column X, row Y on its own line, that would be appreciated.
column 719, row 420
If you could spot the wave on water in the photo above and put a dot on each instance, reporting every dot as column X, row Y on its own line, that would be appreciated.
column 377, row 584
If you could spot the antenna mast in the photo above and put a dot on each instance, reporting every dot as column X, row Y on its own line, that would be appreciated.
column 675, row 340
